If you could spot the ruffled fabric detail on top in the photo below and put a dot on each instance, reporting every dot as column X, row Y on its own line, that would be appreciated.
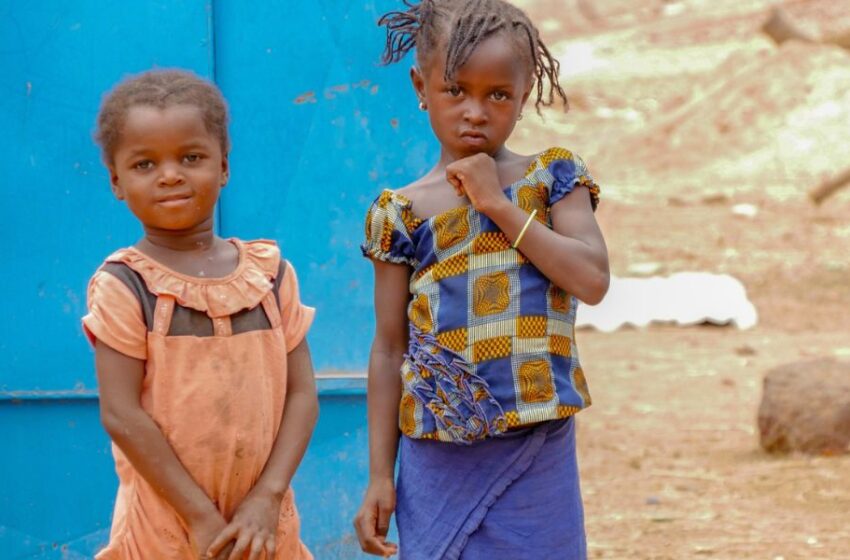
column 244, row 288
column 445, row 384
column 568, row 173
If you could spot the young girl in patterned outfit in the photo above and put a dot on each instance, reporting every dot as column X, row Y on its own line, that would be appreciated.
column 474, row 376
column 206, row 383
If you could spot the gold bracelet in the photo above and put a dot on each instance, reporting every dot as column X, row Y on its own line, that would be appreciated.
column 525, row 227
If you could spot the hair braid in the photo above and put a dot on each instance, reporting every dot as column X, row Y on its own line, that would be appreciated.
column 465, row 24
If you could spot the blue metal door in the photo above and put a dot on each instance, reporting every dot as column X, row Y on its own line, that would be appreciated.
column 318, row 129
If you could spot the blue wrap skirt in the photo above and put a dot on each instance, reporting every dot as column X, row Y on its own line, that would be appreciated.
column 515, row 496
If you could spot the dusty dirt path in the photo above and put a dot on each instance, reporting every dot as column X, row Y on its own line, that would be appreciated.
column 669, row 450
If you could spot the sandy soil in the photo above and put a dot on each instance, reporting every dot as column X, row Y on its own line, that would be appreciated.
column 683, row 110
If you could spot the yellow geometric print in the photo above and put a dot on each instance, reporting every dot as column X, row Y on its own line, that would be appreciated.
column 565, row 410
column 534, row 198
column 560, row 345
column 581, row 386
column 385, row 198
column 454, row 340
column 531, row 326
column 453, row 266
column 420, row 314
column 535, row 381
column 553, row 154
column 491, row 294
column 387, row 236
column 451, row 227
column 410, row 221
column 407, row 414
column 491, row 348
column 490, row 242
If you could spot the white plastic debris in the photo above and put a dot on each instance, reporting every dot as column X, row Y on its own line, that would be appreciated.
column 686, row 298
column 745, row 210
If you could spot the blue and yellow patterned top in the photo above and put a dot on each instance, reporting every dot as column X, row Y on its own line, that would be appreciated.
column 491, row 338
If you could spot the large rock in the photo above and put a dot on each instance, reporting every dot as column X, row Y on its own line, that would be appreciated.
column 806, row 407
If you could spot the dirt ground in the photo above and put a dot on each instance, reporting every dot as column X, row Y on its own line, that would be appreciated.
column 684, row 110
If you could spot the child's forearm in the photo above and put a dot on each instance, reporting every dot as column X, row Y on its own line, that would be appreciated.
column 141, row 440
column 296, row 428
column 579, row 266
column 120, row 380
column 300, row 412
column 384, row 395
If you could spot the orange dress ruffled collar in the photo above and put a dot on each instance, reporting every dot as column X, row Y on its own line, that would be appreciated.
column 244, row 288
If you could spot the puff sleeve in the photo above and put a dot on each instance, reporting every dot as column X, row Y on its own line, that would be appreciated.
column 115, row 316
column 387, row 235
column 296, row 316
column 569, row 171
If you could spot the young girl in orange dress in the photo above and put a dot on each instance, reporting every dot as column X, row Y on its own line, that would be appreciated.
column 205, row 377
column 474, row 375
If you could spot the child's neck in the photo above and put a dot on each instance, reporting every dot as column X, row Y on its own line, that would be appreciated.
column 201, row 239
column 200, row 254
column 447, row 157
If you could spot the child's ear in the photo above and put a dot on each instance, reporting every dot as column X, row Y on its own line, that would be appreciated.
column 117, row 190
column 418, row 83
column 225, row 170
column 527, row 92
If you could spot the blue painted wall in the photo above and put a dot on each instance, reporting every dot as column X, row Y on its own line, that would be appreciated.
column 318, row 129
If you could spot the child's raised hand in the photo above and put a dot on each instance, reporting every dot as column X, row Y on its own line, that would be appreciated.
column 477, row 178
column 373, row 520
column 253, row 528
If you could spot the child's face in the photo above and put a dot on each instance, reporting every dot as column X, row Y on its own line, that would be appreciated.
column 168, row 167
column 477, row 110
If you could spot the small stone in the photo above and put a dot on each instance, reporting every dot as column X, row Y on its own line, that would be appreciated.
column 715, row 198
column 652, row 501
column 745, row 350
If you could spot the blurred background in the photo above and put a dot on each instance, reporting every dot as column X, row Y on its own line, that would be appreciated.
column 709, row 139
column 710, row 134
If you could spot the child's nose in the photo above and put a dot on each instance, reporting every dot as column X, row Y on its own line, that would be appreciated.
column 170, row 174
column 474, row 113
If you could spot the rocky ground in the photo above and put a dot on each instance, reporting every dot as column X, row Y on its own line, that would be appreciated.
column 684, row 110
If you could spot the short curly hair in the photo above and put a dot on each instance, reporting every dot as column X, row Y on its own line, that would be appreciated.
column 161, row 89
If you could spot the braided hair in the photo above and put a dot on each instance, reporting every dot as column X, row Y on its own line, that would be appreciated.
column 463, row 25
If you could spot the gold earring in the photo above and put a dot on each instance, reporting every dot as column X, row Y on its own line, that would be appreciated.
column 519, row 118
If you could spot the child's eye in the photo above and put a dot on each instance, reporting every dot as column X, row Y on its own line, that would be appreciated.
column 192, row 158
column 454, row 91
column 143, row 165
column 500, row 95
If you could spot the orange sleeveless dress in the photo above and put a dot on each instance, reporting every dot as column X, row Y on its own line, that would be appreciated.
column 215, row 383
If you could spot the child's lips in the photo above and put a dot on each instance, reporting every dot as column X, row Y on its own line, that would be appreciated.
column 473, row 137
column 174, row 200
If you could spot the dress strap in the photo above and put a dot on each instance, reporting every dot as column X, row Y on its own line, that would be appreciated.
column 272, row 310
column 162, row 314
column 222, row 326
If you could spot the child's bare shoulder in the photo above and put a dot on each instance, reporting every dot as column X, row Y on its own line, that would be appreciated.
column 416, row 189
